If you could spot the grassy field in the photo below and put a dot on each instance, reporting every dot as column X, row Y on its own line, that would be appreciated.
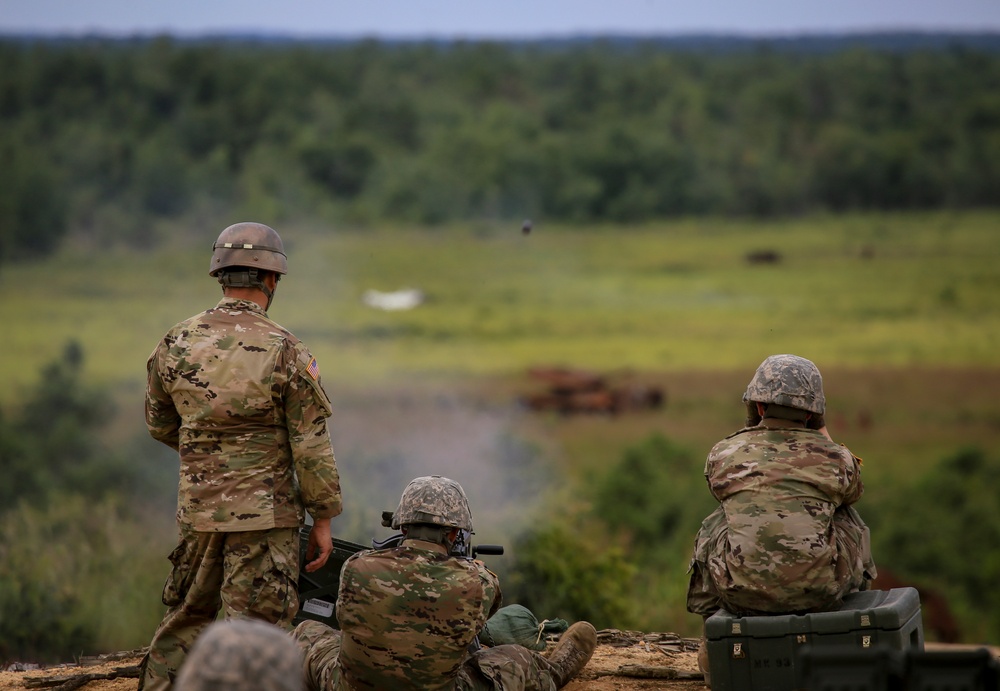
column 858, row 291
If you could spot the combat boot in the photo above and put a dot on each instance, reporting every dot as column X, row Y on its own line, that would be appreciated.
column 573, row 651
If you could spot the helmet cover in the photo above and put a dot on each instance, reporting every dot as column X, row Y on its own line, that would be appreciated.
column 787, row 380
column 433, row 500
column 242, row 655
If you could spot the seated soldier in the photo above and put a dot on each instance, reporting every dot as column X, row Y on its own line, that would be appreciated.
column 408, row 614
column 785, row 538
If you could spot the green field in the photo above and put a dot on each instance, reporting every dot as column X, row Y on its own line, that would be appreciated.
column 857, row 291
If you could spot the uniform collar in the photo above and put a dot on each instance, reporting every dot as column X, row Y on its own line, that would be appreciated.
column 241, row 304
column 425, row 545
column 778, row 423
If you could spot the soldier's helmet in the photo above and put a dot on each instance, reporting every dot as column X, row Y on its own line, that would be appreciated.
column 433, row 500
column 787, row 380
column 242, row 655
column 251, row 245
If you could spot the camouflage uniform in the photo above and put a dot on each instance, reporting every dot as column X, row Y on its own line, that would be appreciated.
column 408, row 615
column 241, row 400
column 785, row 537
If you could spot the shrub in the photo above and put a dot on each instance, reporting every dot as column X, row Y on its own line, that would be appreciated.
column 562, row 573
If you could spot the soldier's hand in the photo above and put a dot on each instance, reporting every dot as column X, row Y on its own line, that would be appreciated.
column 320, row 545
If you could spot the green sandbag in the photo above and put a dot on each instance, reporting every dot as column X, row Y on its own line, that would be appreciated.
column 516, row 624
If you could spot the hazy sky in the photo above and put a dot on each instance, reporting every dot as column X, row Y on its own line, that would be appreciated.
column 478, row 18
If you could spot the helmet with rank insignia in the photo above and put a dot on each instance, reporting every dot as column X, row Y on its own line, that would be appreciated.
column 249, row 245
column 242, row 252
column 433, row 500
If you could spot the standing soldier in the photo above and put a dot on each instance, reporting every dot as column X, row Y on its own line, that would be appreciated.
column 240, row 399
column 785, row 537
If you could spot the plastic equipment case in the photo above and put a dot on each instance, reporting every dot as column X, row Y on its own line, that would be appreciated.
column 759, row 653
column 318, row 590
column 851, row 669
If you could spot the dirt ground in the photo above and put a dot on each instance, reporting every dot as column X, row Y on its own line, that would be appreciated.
column 618, row 664
column 618, row 655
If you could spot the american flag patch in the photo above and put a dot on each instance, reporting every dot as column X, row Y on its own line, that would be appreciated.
column 313, row 369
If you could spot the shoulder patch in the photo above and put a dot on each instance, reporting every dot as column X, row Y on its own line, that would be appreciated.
column 313, row 369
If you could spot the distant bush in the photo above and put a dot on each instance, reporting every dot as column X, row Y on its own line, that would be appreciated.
column 71, row 523
column 76, row 577
column 621, row 561
column 656, row 495
column 562, row 573
column 51, row 443
column 944, row 532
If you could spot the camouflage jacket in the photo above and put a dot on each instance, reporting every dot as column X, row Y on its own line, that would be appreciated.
column 408, row 615
column 241, row 400
column 779, row 485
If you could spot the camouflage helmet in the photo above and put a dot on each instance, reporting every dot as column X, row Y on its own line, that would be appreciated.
column 787, row 380
column 242, row 655
column 251, row 245
column 436, row 500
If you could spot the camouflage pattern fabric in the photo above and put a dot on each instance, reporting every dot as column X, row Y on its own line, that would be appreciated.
column 784, row 538
column 507, row 668
column 502, row 668
column 247, row 574
column 433, row 500
column 320, row 646
column 788, row 380
column 408, row 615
column 241, row 400
column 242, row 655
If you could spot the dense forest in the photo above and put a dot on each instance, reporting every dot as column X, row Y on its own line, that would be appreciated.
column 105, row 137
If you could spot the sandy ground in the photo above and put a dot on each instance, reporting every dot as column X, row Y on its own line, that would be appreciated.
column 602, row 673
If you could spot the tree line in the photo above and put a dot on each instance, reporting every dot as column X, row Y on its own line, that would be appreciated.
column 110, row 137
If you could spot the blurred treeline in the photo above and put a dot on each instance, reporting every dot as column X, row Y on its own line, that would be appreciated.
column 76, row 570
column 107, row 137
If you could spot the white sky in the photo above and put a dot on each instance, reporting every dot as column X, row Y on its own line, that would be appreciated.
column 481, row 19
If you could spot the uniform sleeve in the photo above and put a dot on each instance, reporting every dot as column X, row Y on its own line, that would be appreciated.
column 491, row 589
column 306, row 409
column 855, row 487
column 711, row 468
column 162, row 418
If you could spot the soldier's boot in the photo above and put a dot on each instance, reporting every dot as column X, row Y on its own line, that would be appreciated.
column 574, row 650
column 703, row 662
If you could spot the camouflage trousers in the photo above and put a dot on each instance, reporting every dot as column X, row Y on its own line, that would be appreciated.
column 250, row 574
column 855, row 569
column 503, row 668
